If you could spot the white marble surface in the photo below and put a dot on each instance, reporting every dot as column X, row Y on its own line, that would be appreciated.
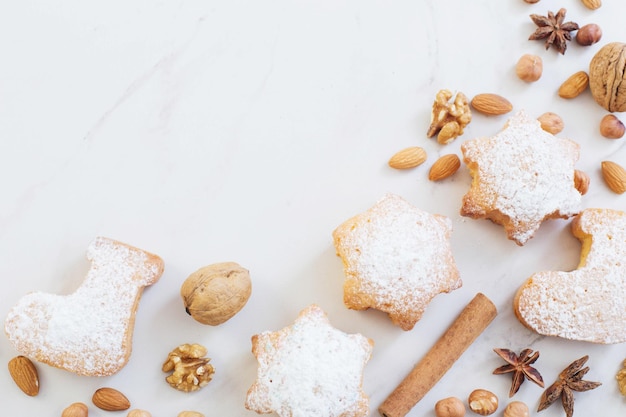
column 207, row 131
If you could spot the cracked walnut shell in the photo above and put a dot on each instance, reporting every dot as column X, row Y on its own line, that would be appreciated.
column 191, row 370
column 215, row 293
column 607, row 77
column 449, row 116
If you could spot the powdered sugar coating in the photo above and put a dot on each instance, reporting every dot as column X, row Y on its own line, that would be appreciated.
column 310, row 369
column 521, row 176
column 88, row 332
column 589, row 303
column 396, row 259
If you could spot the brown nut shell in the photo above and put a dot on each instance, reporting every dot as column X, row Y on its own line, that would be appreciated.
column 607, row 77
column 215, row 293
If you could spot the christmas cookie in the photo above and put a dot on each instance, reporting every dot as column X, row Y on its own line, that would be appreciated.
column 396, row 259
column 589, row 303
column 310, row 369
column 520, row 177
column 88, row 332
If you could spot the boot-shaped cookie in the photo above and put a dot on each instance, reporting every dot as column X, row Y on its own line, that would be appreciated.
column 88, row 332
column 589, row 303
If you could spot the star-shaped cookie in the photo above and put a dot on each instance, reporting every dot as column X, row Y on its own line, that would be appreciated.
column 310, row 369
column 520, row 177
column 396, row 259
column 589, row 303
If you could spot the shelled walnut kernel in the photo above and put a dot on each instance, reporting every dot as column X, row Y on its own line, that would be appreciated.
column 192, row 370
column 449, row 116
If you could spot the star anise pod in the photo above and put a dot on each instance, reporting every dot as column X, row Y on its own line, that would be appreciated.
column 520, row 366
column 570, row 380
column 553, row 30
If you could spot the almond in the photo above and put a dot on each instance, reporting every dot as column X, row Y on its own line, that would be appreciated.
column 592, row 4
column 581, row 182
column 76, row 410
column 574, row 85
column 491, row 104
column 25, row 375
column 615, row 176
column 110, row 399
column 444, row 167
column 408, row 158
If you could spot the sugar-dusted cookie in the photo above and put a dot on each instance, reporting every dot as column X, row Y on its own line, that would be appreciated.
column 396, row 259
column 520, row 177
column 589, row 303
column 88, row 332
column 310, row 369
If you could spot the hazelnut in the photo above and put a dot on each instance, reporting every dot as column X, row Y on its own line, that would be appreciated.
column 551, row 122
column 483, row 402
column 532, row 1
column 607, row 77
column 215, row 293
column 589, row 34
column 581, row 181
column 76, row 410
column 138, row 413
column 611, row 127
column 450, row 407
column 529, row 67
column 516, row 409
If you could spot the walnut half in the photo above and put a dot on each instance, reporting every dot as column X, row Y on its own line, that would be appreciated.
column 450, row 114
column 191, row 370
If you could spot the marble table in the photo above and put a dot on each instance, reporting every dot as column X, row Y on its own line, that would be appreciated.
column 246, row 131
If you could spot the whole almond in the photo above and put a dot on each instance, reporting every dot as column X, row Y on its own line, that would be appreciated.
column 574, row 85
column 491, row 104
column 408, row 158
column 444, row 167
column 110, row 399
column 592, row 4
column 76, row 410
column 25, row 375
column 581, row 182
column 615, row 176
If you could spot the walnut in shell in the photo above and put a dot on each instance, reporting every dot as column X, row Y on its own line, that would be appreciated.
column 215, row 293
column 607, row 77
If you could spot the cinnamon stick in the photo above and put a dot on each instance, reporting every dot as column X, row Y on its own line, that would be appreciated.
column 470, row 323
